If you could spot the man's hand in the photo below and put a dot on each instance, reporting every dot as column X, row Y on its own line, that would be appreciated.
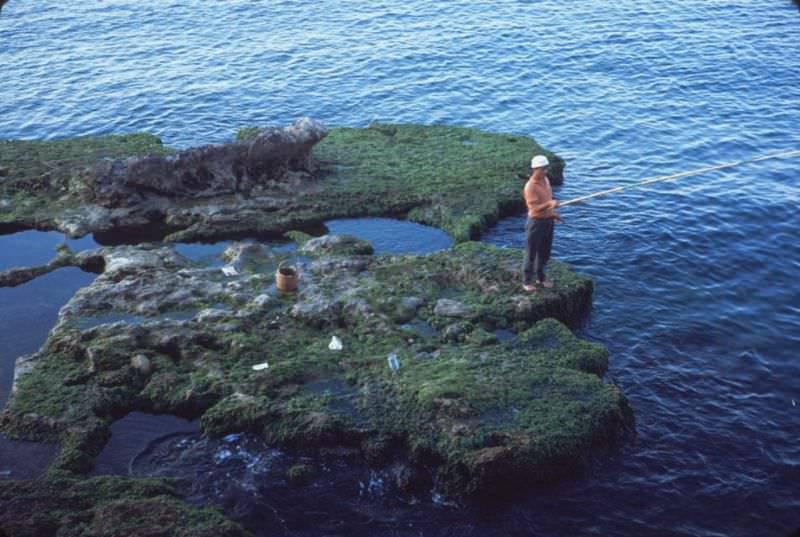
column 557, row 218
column 546, row 206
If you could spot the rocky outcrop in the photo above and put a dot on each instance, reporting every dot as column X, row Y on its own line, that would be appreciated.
column 420, row 384
column 268, row 182
column 152, row 281
column 90, row 261
column 247, row 256
column 272, row 156
column 418, row 361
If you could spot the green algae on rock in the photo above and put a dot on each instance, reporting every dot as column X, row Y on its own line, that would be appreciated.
column 461, row 180
column 41, row 179
column 300, row 474
column 421, row 382
column 471, row 411
column 111, row 506
column 458, row 179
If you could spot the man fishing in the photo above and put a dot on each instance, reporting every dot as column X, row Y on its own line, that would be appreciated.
column 539, row 227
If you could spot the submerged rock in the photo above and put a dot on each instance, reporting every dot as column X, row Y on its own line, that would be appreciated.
column 300, row 474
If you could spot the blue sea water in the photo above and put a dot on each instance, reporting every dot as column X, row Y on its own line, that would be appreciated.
column 390, row 236
column 697, row 295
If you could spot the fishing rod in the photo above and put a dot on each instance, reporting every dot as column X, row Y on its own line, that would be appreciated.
column 699, row 171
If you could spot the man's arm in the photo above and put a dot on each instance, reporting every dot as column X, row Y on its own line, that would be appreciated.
column 552, row 204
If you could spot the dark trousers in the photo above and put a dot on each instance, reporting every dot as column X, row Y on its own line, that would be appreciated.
column 538, row 243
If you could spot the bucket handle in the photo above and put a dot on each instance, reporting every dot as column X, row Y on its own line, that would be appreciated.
column 285, row 264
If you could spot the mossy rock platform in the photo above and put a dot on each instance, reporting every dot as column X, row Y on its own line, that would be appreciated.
column 421, row 375
column 446, row 366
column 108, row 506
column 458, row 179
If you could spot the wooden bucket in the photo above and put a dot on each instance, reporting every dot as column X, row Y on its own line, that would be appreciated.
column 286, row 277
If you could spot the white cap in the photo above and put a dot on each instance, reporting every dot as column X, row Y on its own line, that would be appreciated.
column 539, row 161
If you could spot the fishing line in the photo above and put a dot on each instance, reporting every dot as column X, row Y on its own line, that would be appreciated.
column 699, row 171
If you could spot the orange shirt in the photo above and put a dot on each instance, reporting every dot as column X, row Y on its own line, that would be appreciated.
column 537, row 193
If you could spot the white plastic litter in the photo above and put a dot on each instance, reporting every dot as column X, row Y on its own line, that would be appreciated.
column 229, row 270
column 394, row 363
column 335, row 344
column 223, row 455
column 260, row 367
